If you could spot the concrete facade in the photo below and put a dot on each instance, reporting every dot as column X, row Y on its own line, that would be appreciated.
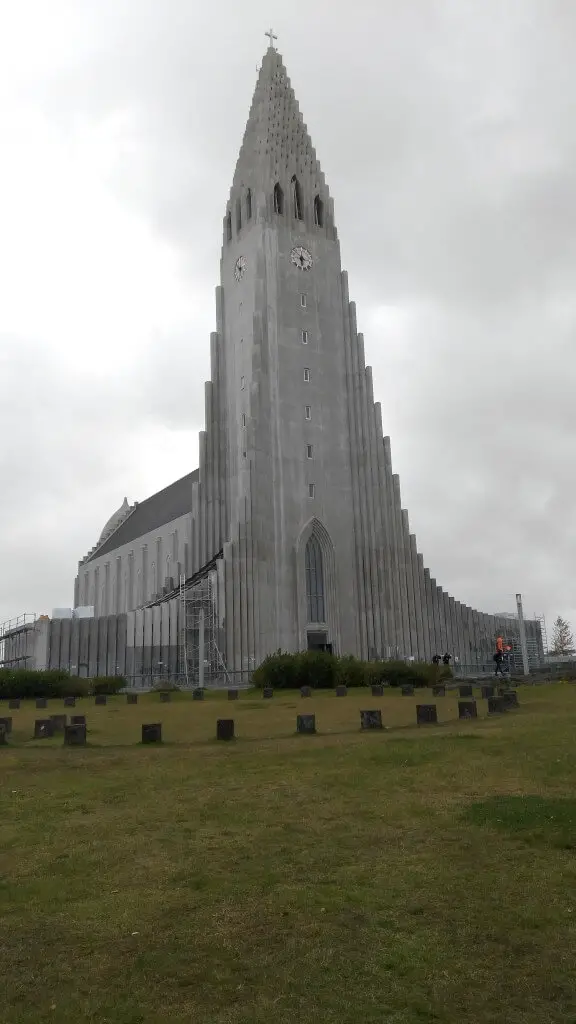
column 293, row 458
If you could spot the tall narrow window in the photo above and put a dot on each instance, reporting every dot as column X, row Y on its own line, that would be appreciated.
column 238, row 215
column 308, row 451
column 303, row 301
column 243, row 419
column 308, row 412
column 307, row 375
column 296, row 198
column 318, row 212
column 228, row 226
column 248, row 204
column 242, row 383
column 314, row 580
column 278, row 199
column 304, row 337
column 311, row 490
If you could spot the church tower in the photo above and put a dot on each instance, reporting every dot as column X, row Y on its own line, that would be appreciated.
column 296, row 507
column 288, row 339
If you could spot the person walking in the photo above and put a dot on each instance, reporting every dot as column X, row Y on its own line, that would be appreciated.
column 436, row 659
column 498, row 659
column 446, row 658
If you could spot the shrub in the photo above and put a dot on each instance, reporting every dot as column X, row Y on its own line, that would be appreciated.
column 353, row 672
column 26, row 683
column 278, row 670
column 317, row 669
column 108, row 684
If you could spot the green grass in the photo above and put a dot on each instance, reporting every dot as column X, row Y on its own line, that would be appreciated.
column 412, row 875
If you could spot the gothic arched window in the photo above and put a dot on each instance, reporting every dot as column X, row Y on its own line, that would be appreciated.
column 278, row 199
column 296, row 198
column 238, row 215
column 248, row 204
column 314, row 580
column 318, row 212
column 228, row 226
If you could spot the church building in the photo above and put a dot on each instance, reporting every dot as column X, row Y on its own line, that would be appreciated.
column 291, row 533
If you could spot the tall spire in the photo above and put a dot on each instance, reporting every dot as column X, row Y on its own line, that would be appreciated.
column 276, row 142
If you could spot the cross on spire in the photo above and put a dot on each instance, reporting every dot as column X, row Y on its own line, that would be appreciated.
column 271, row 37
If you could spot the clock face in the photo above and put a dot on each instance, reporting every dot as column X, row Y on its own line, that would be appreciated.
column 240, row 268
column 301, row 258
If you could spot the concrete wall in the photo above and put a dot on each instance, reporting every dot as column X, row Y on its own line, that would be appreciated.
column 134, row 573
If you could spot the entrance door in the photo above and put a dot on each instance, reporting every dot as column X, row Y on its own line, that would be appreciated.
column 318, row 641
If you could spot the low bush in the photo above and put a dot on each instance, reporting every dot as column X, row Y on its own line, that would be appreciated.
column 28, row 683
column 321, row 670
column 108, row 684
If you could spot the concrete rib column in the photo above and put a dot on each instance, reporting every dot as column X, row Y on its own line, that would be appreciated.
column 202, row 497
column 371, row 481
column 394, row 563
column 229, row 653
column 424, row 590
column 368, row 628
column 209, row 472
column 223, row 408
column 216, row 475
column 402, row 574
column 410, row 594
column 360, row 611
column 384, row 560
column 254, row 576
column 418, row 599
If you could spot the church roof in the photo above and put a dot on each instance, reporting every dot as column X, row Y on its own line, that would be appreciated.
column 161, row 508
column 114, row 520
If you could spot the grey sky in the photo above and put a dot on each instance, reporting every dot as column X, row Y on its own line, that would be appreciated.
column 447, row 135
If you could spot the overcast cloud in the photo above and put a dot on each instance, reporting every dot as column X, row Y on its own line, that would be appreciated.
column 447, row 134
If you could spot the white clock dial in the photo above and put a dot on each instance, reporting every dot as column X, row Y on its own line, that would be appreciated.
column 301, row 258
column 240, row 268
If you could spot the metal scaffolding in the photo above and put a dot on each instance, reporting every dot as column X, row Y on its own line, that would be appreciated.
column 201, row 661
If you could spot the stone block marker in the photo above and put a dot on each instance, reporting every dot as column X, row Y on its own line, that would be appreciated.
column 306, row 724
column 408, row 691
column 371, row 719
column 377, row 690
column 511, row 699
column 198, row 693
column 305, row 691
column 6, row 723
column 341, row 691
column 60, row 722
column 232, row 695
column 14, row 703
column 467, row 709
column 41, row 702
column 43, row 728
column 439, row 690
column 465, row 690
column 69, row 702
column 426, row 714
column 152, row 733
column 165, row 698
column 3, row 736
column 225, row 727
column 267, row 692
column 100, row 698
column 75, row 736
column 78, row 720
column 131, row 698
column 496, row 704
column 487, row 691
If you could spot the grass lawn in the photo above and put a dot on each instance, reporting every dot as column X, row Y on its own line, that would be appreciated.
column 410, row 875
